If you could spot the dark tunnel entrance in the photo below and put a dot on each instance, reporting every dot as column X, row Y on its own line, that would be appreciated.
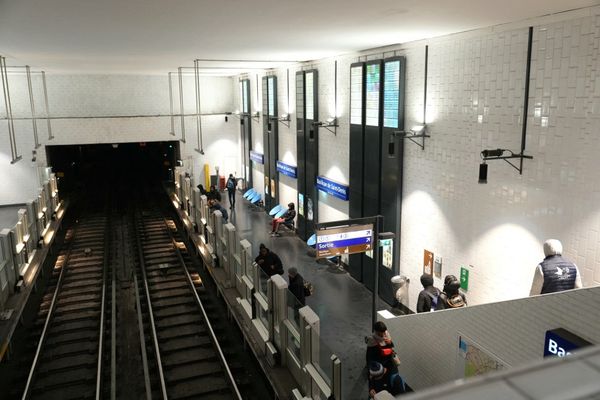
column 79, row 167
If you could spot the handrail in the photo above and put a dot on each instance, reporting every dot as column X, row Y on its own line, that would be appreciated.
column 204, row 315
column 161, row 374
column 28, row 388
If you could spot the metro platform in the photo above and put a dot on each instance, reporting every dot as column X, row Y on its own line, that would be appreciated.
column 342, row 303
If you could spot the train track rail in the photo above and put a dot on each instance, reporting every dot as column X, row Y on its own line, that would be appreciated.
column 189, row 360
column 68, row 359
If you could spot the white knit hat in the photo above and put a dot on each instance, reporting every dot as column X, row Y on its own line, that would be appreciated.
column 375, row 369
column 552, row 247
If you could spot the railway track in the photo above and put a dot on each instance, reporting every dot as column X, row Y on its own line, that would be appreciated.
column 125, row 315
column 189, row 361
column 68, row 359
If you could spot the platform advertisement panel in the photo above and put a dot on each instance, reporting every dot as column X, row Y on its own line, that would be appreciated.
column 346, row 240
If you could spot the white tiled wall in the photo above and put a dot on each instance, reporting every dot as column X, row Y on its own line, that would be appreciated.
column 512, row 332
column 113, row 108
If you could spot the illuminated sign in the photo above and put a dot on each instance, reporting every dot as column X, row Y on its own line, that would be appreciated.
column 391, row 93
column 560, row 343
column 257, row 157
column 333, row 188
column 287, row 170
column 373, row 86
column 347, row 240
column 356, row 94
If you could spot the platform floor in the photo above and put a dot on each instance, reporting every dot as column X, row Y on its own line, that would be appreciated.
column 9, row 216
column 342, row 303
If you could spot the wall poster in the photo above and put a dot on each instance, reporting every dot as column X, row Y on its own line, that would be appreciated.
column 427, row 262
column 272, row 187
column 373, row 84
column 309, row 206
column 266, row 184
column 356, row 94
column 474, row 360
column 387, row 250
column 300, row 204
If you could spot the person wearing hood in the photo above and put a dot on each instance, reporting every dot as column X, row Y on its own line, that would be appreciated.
column 429, row 297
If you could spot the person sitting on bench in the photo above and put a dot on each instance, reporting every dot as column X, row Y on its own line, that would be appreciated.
column 287, row 218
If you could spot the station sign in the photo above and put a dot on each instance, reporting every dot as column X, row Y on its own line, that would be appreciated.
column 287, row 170
column 257, row 157
column 560, row 343
column 345, row 240
column 335, row 189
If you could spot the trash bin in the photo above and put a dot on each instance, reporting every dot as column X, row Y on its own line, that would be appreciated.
column 221, row 183
column 400, row 288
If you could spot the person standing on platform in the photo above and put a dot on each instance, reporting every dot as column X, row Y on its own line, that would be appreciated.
column 429, row 297
column 554, row 273
column 268, row 261
column 296, row 285
column 214, row 194
column 286, row 218
column 231, row 184
column 451, row 297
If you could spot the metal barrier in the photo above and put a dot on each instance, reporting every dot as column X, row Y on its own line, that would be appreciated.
column 288, row 330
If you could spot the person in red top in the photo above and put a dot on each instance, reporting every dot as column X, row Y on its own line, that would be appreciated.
column 380, row 348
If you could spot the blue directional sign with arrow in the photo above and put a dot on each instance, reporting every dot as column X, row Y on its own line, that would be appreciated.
column 345, row 240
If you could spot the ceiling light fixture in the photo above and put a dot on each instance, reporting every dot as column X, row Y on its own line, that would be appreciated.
column 416, row 132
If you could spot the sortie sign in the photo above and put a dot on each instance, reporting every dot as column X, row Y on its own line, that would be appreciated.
column 347, row 240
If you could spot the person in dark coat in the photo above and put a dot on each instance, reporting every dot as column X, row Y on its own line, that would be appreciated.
column 380, row 347
column 213, row 194
column 381, row 378
column 216, row 206
column 268, row 261
column 203, row 191
column 555, row 273
column 451, row 297
column 296, row 285
column 231, row 184
column 286, row 218
column 429, row 297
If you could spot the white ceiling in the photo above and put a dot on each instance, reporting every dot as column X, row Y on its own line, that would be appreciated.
column 155, row 36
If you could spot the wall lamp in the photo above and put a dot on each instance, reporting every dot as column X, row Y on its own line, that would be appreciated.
column 416, row 132
column 500, row 154
column 331, row 122
column 284, row 119
column 255, row 115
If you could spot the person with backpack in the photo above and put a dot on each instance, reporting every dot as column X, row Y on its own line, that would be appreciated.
column 382, row 378
column 451, row 297
column 429, row 297
column 380, row 347
column 231, row 184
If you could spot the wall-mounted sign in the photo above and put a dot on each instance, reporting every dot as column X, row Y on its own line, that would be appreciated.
column 287, row 170
column 356, row 94
column 347, row 240
column 391, row 93
column 560, row 342
column 257, row 157
column 437, row 266
column 387, row 251
column 300, row 204
column 333, row 188
column 427, row 262
column 464, row 278
column 373, row 88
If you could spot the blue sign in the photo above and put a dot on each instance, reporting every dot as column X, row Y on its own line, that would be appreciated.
column 257, row 157
column 333, row 188
column 560, row 342
column 347, row 240
column 287, row 170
